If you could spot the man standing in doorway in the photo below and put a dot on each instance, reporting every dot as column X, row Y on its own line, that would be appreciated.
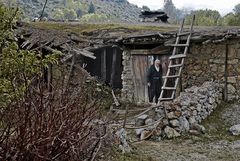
column 154, row 81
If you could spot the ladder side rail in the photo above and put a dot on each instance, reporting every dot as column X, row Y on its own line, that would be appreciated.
column 185, row 53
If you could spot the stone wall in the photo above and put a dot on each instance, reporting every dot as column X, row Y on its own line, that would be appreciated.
column 127, row 78
column 204, row 62
column 185, row 113
column 207, row 62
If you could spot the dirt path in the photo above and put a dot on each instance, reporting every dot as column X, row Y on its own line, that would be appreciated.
column 216, row 145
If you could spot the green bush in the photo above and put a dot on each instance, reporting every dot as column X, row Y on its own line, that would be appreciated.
column 94, row 18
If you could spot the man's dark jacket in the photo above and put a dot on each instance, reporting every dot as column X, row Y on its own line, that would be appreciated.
column 154, row 77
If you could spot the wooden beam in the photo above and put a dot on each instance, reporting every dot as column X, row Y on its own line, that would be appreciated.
column 70, row 72
column 104, row 65
column 114, row 60
column 84, row 53
column 226, row 75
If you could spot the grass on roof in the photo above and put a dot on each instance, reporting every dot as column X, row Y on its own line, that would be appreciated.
column 83, row 28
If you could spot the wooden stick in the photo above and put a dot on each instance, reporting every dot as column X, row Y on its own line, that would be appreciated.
column 125, row 117
column 115, row 99
column 145, row 126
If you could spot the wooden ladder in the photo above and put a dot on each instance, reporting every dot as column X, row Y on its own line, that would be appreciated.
column 176, row 63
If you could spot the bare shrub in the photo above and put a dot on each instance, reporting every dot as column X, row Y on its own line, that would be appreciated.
column 52, row 126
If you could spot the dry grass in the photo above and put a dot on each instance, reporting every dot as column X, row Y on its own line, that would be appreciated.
column 86, row 28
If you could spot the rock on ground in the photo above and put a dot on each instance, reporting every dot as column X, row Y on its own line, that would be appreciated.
column 170, row 132
column 235, row 130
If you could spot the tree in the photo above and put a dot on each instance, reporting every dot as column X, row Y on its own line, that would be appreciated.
column 94, row 18
column 145, row 8
column 237, row 9
column 69, row 14
column 172, row 11
column 232, row 19
column 204, row 17
column 18, row 67
column 91, row 8
column 58, row 14
column 79, row 13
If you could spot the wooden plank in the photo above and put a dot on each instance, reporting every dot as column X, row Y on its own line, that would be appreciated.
column 114, row 60
column 183, row 34
column 161, row 50
column 178, row 45
column 177, row 65
column 171, row 76
column 169, row 88
column 103, row 65
column 178, row 56
column 84, row 53
column 226, row 75
column 139, row 65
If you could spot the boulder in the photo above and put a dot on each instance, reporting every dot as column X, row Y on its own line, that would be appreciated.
column 139, row 131
column 174, row 123
column 194, row 132
column 122, row 137
column 235, row 130
column 140, row 121
column 192, row 120
column 148, row 121
column 170, row 132
column 171, row 115
column 199, row 128
column 184, row 124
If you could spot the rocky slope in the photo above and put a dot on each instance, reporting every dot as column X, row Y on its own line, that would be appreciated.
column 119, row 10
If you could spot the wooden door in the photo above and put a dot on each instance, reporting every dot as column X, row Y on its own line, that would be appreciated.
column 140, row 65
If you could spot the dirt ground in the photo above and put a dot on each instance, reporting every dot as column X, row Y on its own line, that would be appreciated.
column 216, row 145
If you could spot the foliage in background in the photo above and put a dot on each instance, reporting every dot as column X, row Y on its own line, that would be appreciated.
column 17, row 67
column 91, row 8
column 41, row 124
column 204, row 17
column 94, row 17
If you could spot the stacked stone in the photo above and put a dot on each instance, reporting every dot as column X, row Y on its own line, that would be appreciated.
column 207, row 62
column 188, row 110
column 127, row 78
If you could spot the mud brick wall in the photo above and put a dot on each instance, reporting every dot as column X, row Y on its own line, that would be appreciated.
column 207, row 62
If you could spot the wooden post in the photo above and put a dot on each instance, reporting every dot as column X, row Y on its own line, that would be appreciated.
column 104, row 65
column 114, row 60
column 70, row 72
column 45, row 4
column 226, row 75
column 49, row 81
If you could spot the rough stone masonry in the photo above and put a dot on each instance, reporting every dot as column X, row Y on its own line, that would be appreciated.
column 185, row 113
column 208, row 62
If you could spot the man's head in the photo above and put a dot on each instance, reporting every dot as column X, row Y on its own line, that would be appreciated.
column 157, row 62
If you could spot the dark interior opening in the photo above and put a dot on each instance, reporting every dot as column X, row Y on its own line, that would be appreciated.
column 104, row 69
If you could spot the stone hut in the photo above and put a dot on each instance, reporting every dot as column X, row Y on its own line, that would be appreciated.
column 120, row 56
column 214, row 54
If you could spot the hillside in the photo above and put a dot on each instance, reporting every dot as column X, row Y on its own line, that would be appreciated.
column 117, row 10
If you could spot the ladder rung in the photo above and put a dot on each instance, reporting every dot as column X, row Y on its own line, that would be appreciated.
column 165, row 99
column 178, row 56
column 174, row 66
column 171, row 76
column 183, row 33
column 169, row 88
column 179, row 45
